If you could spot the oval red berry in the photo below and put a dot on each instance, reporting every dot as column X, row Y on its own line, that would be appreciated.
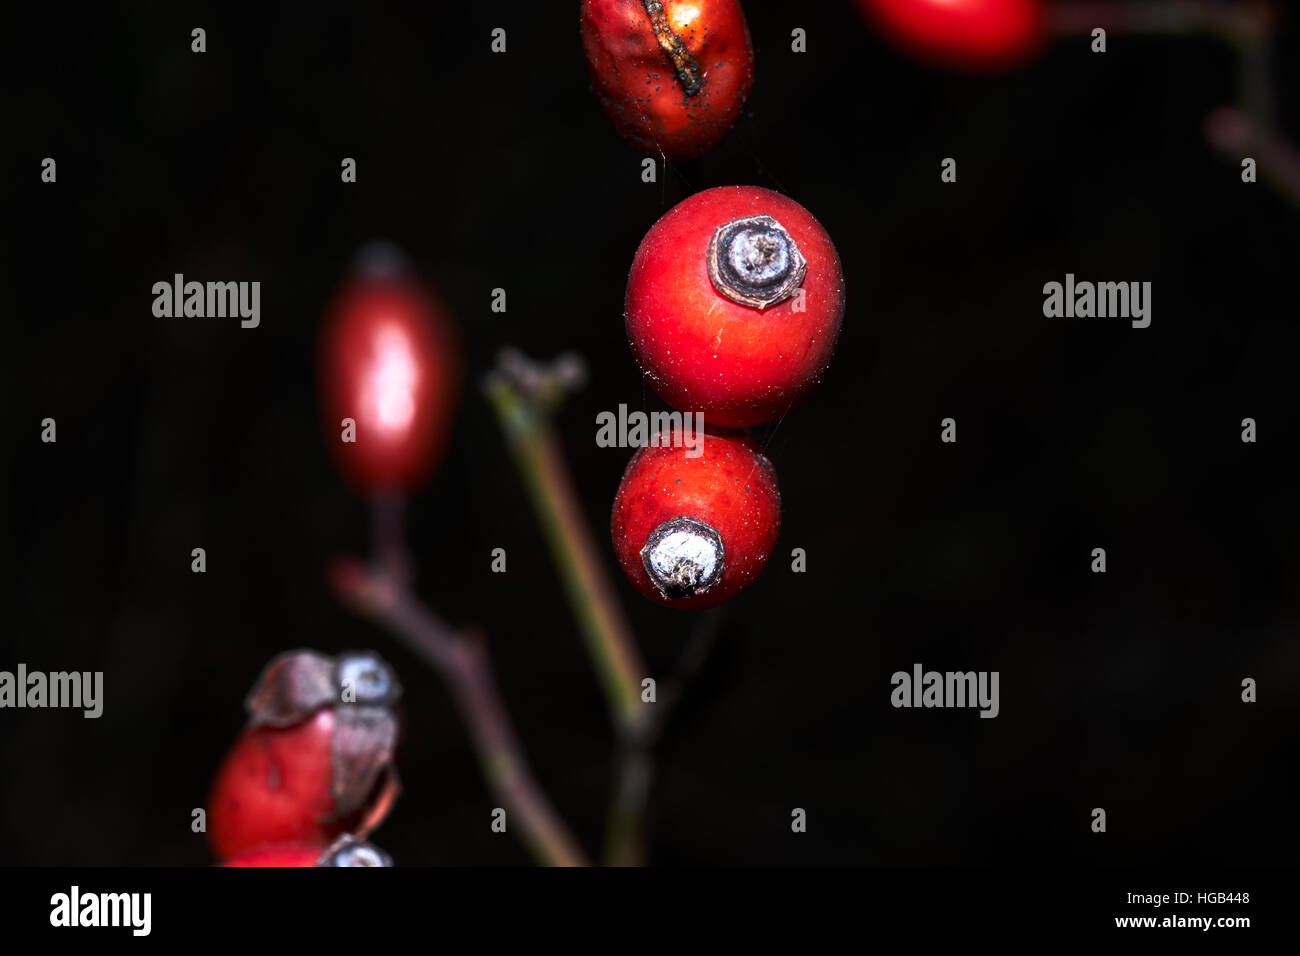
column 978, row 35
column 389, row 364
column 671, row 76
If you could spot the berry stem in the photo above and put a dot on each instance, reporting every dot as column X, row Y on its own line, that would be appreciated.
column 684, row 65
column 524, row 397
column 625, row 837
column 388, row 535
column 463, row 663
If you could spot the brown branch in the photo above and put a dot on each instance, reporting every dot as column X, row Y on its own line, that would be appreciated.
column 1233, row 133
column 463, row 663
column 1234, row 21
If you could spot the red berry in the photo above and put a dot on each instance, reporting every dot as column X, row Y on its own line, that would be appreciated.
column 672, row 76
column 292, row 854
column 315, row 758
column 388, row 361
column 734, row 304
column 692, row 532
column 962, row 34
column 346, row 851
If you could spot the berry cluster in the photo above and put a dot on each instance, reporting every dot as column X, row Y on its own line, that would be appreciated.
column 312, row 772
column 733, row 307
column 734, row 303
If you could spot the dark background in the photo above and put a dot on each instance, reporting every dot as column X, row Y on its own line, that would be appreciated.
column 1119, row 690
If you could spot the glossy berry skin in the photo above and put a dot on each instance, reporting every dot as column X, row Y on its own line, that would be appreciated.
column 703, row 352
column 965, row 35
column 729, row 491
column 679, row 88
column 388, row 360
column 274, row 788
column 293, row 854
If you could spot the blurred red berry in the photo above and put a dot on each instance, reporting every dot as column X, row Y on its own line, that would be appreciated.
column 692, row 532
column 292, row 854
column 672, row 76
column 734, row 303
column 346, row 851
column 975, row 35
column 314, row 761
column 389, row 360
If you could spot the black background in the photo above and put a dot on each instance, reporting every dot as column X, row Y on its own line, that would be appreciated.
column 1119, row 690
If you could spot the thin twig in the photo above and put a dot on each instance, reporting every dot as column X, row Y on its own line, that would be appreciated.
column 1248, row 28
column 625, row 839
column 463, row 663
column 524, row 395
column 1232, row 21
column 1233, row 133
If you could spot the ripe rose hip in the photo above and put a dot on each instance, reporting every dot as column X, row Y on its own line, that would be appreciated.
column 315, row 759
column 692, row 532
column 389, row 361
column 977, row 35
column 734, row 303
column 672, row 76
column 346, row 851
column 290, row 854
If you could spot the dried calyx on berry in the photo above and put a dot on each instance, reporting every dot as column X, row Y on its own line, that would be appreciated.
column 684, row 557
column 296, row 684
column 361, row 689
column 754, row 261
column 347, row 850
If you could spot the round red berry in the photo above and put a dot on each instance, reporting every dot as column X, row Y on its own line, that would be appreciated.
column 389, row 363
column 314, row 761
column 673, row 76
column 694, row 525
column 734, row 303
column 961, row 34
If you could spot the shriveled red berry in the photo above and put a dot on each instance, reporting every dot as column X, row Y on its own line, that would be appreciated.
column 671, row 75
column 734, row 304
column 389, row 361
column 315, row 759
column 974, row 35
column 692, row 532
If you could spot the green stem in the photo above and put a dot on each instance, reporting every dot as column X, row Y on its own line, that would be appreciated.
column 537, row 454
